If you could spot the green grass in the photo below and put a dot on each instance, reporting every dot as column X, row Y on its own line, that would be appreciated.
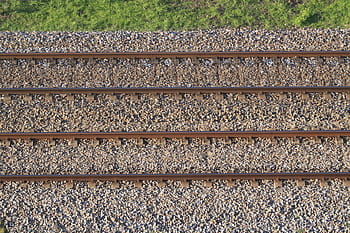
column 153, row 15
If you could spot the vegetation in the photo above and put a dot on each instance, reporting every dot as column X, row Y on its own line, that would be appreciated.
column 152, row 15
column 2, row 227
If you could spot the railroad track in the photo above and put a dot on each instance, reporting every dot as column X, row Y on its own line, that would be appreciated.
column 184, row 178
column 174, row 90
column 181, row 134
column 150, row 55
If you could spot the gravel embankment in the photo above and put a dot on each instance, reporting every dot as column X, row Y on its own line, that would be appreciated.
column 206, row 40
column 34, row 207
column 241, row 208
column 166, row 73
column 259, row 155
column 171, row 113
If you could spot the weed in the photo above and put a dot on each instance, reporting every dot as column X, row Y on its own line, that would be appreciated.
column 152, row 15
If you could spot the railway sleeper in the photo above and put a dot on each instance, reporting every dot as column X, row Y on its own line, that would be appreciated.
column 317, row 140
column 29, row 142
column 241, row 96
column 339, row 140
column 52, row 61
column 277, row 183
column 51, row 142
column 195, row 60
column 91, row 184
column 13, row 61
column 115, row 184
column 6, row 98
column 305, row 96
column 140, row 141
column 5, row 142
column 178, row 96
column 47, row 97
column 95, row 142
column 261, row 96
column 254, row 183
column 118, row 142
column 300, row 183
column 154, row 61
column 183, row 183
column 162, row 141
column 90, row 97
column 47, row 185
column 161, row 183
column 225, row 140
column 230, row 183
column 184, row 141
column 346, row 183
column 70, row 97
column 23, row 184
column 323, row 183
column 69, row 184
column 328, row 95
column 134, row 97
column 138, row 183
column 219, row 97
column 75, row 140
column 111, row 97
column 199, row 96
column 205, row 141
column 282, row 96
column 208, row 184
column 248, row 140
column 28, row 98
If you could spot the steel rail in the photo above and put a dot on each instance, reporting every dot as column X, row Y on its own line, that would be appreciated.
column 176, row 90
column 178, row 134
column 213, row 54
column 162, row 177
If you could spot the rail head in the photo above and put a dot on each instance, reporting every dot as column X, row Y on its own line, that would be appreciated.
column 173, row 134
column 189, row 54
column 173, row 90
column 178, row 177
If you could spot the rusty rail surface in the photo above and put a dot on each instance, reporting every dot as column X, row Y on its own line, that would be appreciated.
column 162, row 177
column 178, row 134
column 176, row 90
column 126, row 55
